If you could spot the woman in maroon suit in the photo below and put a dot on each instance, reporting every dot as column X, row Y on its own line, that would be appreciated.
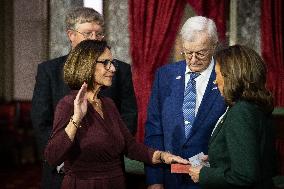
column 88, row 133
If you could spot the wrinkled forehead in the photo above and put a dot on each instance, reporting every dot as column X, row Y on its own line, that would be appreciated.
column 89, row 26
column 81, row 20
column 199, row 42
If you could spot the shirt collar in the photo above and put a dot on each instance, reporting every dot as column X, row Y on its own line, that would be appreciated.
column 204, row 73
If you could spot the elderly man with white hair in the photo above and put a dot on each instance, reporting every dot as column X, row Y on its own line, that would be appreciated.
column 185, row 104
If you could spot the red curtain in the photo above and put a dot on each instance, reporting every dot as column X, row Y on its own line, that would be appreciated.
column 217, row 10
column 272, row 14
column 153, row 28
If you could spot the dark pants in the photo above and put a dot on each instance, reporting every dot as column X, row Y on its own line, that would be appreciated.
column 51, row 179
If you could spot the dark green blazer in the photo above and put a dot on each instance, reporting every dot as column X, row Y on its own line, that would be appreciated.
column 241, row 150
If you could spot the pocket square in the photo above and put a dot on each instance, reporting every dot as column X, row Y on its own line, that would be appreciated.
column 214, row 88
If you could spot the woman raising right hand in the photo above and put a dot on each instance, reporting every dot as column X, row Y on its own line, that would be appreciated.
column 88, row 134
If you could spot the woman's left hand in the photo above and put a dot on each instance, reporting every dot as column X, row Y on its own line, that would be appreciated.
column 194, row 173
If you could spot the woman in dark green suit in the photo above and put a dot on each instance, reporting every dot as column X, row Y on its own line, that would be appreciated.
column 241, row 149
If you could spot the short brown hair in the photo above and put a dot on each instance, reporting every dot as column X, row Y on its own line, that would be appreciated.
column 81, row 62
column 82, row 15
column 244, row 75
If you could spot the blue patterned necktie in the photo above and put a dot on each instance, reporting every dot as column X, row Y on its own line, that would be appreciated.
column 189, row 103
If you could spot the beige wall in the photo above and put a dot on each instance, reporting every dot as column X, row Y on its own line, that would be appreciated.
column 116, row 17
column 30, row 44
column 38, row 36
column 58, row 41
column 6, row 50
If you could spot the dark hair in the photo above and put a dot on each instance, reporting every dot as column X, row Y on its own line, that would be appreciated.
column 81, row 62
column 244, row 75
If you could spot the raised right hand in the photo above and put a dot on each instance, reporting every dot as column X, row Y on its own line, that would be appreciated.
column 80, row 104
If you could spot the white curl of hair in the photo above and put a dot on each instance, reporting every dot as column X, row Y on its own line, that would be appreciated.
column 194, row 25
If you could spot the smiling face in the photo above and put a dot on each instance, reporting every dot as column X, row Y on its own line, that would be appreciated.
column 219, row 79
column 103, row 77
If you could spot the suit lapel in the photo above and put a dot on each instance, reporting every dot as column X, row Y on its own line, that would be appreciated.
column 178, row 87
column 208, row 100
column 174, row 103
column 217, row 129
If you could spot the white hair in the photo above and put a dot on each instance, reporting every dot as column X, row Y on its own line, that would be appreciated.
column 197, row 24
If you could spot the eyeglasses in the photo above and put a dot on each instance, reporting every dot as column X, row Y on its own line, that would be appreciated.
column 90, row 35
column 107, row 63
column 200, row 55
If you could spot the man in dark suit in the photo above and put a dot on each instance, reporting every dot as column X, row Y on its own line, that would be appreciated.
column 81, row 24
column 173, row 125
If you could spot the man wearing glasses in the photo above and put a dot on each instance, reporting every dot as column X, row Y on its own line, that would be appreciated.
column 185, row 104
column 81, row 24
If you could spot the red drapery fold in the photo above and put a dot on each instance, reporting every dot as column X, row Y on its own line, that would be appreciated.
column 153, row 28
column 272, row 46
column 216, row 10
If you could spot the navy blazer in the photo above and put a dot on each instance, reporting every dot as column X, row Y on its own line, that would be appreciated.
column 165, row 122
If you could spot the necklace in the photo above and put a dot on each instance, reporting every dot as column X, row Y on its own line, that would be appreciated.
column 98, row 104
column 95, row 101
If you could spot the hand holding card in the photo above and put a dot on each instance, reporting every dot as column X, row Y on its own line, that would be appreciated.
column 196, row 160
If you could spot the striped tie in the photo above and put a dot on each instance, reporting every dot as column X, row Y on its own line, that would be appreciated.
column 189, row 103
